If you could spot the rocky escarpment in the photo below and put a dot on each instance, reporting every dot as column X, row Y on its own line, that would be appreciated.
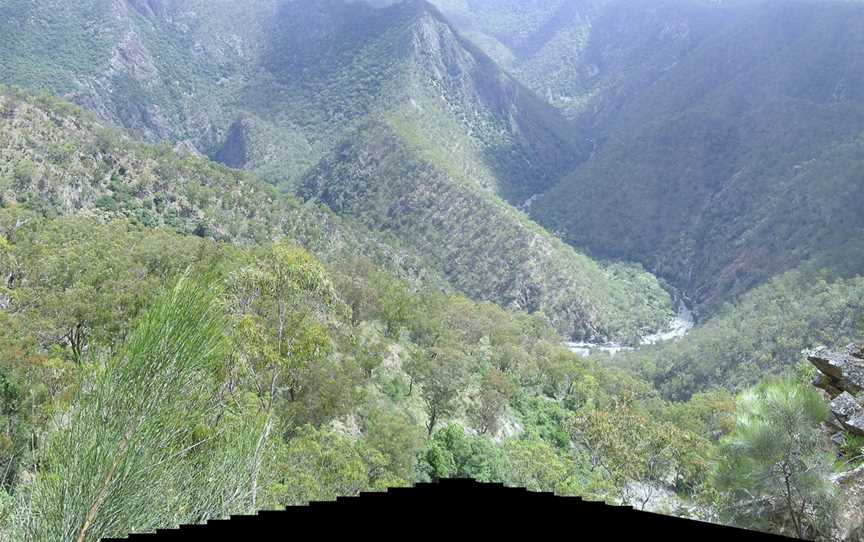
column 841, row 375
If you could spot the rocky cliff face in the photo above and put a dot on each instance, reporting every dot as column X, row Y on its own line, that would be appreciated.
column 841, row 375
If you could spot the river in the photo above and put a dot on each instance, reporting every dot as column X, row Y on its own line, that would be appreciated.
column 677, row 328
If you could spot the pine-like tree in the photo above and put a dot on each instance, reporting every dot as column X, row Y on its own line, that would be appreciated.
column 773, row 468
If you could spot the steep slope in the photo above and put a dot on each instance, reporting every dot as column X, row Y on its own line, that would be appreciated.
column 288, row 82
column 58, row 160
column 482, row 245
column 736, row 165
column 587, row 57
column 337, row 64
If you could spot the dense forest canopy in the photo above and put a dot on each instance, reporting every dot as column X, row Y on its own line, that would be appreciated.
column 302, row 249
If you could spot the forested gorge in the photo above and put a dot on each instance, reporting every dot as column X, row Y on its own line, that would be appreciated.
column 304, row 378
column 407, row 212
column 251, row 378
column 262, row 359
column 304, row 94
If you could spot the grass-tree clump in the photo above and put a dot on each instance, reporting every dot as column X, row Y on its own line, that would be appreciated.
column 773, row 468
column 123, row 457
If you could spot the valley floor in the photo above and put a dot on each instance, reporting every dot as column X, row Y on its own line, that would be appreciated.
column 677, row 328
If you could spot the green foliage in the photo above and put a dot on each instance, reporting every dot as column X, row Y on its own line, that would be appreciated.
column 300, row 391
column 772, row 469
column 546, row 420
column 396, row 436
column 80, row 280
column 283, row 347
column 852, row 451
column 309, row 396
column 453, row 454
column 369, row 348
column 638, row 454
column 157, row 389
column 710, row 415
column 442, row 374
column 496, row 391
column 318, row 465
column 765, row 331
column 535, row 465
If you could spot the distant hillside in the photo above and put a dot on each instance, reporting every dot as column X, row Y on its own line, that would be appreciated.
column 56, row 160
column 737, row 164
column 278, row 87
column 726, row 134
column 482, row 245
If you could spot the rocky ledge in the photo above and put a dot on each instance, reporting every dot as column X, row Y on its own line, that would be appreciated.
column 841, row 375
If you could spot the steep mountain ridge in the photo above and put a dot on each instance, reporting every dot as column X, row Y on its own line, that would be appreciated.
column 363, row 61
column 304, row 71
column 737, row 165
column 485, row 246
column 586, row 57
column 287, row 82
column 58, row 160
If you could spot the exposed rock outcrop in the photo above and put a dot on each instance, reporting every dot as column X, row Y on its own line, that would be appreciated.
column 850, row 517
column 841, row 371
column 148, row 8
column 841, row 375
column 849, row 413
